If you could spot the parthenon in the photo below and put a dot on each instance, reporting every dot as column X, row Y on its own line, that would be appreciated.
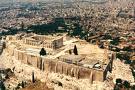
column 51, row 42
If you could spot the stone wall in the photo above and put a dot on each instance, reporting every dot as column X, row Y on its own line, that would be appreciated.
column 74, row 71
column 61, row 67
column 27, row 58
column 58, row 43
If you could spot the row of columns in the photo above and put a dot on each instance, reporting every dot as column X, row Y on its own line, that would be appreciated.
column 31, row 42
column 36, row 43
column 48, row 45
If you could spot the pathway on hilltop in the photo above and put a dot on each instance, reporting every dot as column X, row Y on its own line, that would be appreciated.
column 68, row 45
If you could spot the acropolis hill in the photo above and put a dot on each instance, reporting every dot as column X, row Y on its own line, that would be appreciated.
column 92, row 64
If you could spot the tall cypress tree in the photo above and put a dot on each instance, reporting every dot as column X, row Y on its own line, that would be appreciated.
column 33, row 77
column 75, row 50
column 2, row 86
column 126, row 84
column 22, row 26
column 41, row 64
column 70, row 52
column 23, row 84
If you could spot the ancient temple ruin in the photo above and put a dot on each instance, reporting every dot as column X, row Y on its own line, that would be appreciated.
column 89, row 64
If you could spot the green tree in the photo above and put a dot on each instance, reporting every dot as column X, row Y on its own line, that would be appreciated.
column 22, row 25
column 118, row 85
column 118, row 81
column 126, row 84
column 75, row 50
column 2, row 86
column 42, row 52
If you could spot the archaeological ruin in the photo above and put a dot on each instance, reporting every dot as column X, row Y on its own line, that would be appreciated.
column 91, row 65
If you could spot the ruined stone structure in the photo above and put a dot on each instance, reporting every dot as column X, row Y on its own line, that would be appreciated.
column 44, row 41
column 51, row 42
column 75, row 68
column 79, row 66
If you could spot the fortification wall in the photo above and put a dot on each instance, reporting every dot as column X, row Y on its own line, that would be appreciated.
column 61, row 67
column 73, row 70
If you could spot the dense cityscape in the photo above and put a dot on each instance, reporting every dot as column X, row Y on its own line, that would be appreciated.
column 67, row 45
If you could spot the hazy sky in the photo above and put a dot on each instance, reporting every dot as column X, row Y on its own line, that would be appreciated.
column 4, row 1
column 28, row 0
column 25, row 0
